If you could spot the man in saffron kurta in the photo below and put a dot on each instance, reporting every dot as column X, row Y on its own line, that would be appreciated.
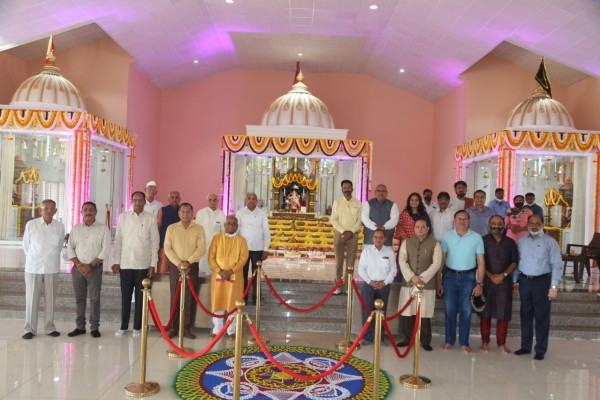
column 226, row 257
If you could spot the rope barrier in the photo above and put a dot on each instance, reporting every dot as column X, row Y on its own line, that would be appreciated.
column 412, row 339
column 283, row 369
column 206, row 310
column 367, row 309
column 303, row 310
column 174, row 306
column 185, row 354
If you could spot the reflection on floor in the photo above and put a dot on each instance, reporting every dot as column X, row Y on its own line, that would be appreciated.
column 88, row 368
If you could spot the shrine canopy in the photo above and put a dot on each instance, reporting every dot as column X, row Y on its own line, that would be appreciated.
column 72, row 156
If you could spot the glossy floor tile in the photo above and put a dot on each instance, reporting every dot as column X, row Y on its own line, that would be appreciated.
column 88, row 368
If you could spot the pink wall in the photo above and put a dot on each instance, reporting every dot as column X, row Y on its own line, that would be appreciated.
column 143, row 118
column 196, row 115
column 583, row 104
column 13, row 72
column 100, row 70
column 449, row 128
column 494, row 87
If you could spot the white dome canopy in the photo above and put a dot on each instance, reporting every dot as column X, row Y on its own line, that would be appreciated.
column 48, row 90
column 298, row 107
column 541, row 111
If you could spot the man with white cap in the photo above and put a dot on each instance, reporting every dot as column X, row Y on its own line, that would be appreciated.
column 152, row 206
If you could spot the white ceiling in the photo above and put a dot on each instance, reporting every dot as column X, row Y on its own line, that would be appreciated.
column 433, row 40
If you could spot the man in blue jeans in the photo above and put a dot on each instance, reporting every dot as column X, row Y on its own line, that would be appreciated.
column 463, row 273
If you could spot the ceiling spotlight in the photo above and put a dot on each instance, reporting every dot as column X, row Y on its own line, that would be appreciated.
column 402, row 70
column 299, row 54
column 229, row 1
column 373, row 7
column 196, row 61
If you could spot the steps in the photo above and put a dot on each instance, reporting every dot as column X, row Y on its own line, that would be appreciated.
column 574, row 314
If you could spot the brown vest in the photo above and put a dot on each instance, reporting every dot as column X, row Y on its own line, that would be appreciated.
column 420, row 257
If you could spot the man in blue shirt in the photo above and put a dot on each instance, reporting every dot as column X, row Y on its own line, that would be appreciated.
column 537, row 277
column 479, row 214
column 499, row 205
column 463, row 273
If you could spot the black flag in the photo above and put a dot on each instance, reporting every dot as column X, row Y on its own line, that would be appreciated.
column 542, row 78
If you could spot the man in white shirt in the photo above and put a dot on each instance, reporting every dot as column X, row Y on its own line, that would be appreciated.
column 346, row 220
column 461, row 201
column 442, row 219
column 377, row 268
column 89, row 246
column 212, row 219
column 136, row 256
column 430, row 205
column 42, row 242
column 254, row 227
column 152, row 205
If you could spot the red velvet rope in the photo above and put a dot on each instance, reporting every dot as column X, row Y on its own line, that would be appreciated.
column 206, row 310
column 185, row 354
column 367, row 309
column 303, row 310
column 412, row 339
column 174, row 306
column 307, row 377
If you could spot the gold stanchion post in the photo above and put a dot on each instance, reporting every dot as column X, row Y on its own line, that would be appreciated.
column 257, row 317
column 143, row 388
column 377, row 346
column 183, row 279
column 237, row 368
column 415, row 381
column 347, row 343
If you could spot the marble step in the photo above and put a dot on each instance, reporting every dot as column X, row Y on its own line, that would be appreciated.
column 109, row 288
column 278, row 310
column 310, row 324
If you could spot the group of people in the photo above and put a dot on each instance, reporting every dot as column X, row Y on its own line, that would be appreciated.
column 474, row 255
column 458, row 247
column 150, row 238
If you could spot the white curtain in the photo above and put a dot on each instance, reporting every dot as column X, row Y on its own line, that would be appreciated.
column 7, row 171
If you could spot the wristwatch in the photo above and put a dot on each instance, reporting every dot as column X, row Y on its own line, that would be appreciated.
column 505, row 274
column 480, row 283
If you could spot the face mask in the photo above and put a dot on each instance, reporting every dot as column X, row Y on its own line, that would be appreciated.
column 496, row 231
column 427, row 198
column 230, row 235
column 534, row 233
column 499, row 200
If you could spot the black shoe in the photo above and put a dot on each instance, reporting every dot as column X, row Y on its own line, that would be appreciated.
column 520, row 352
column 54, row 334
column 403, row 344
column 76, row 332
column 538, row 356
column 427, row 347
column 27, row 336
column 95, row 333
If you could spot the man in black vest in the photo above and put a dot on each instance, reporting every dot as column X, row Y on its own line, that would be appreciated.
column 380, row 213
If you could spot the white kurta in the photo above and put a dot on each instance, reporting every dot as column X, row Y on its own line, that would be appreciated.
column 213, row 222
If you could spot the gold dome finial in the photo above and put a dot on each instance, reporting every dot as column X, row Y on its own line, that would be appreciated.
column 50, row 57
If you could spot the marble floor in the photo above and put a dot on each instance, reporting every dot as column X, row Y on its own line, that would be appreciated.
column 88, row 368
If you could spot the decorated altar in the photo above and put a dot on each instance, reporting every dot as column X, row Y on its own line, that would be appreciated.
column 295, row 162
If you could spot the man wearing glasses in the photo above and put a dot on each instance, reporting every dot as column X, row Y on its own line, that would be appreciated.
column 536, row 280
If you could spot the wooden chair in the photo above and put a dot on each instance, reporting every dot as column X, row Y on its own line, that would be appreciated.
column 582, row 260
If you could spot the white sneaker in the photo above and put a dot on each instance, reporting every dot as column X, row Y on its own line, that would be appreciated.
column 120, row 332
column 137, row 332
column 338, row 291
